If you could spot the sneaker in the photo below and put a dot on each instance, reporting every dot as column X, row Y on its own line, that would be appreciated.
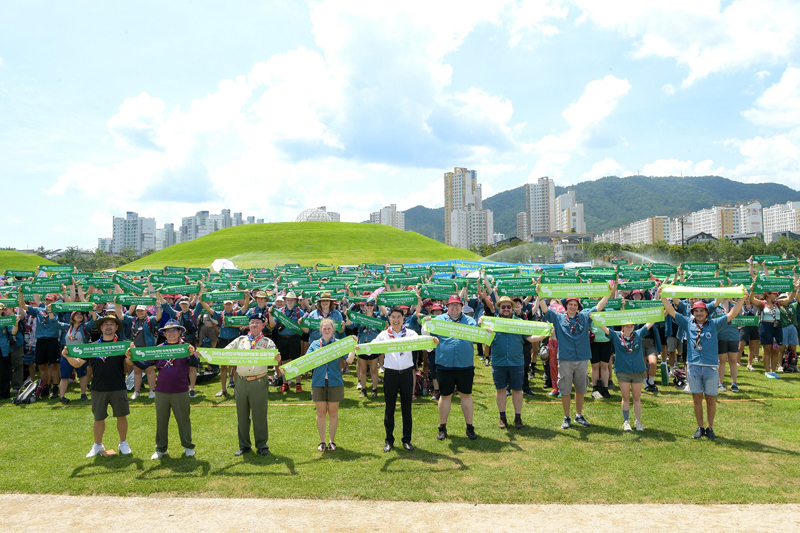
column 605, row 394
column 97, row 449
column 771, row 375
column 285, row 387
column 755, row 360
column 63, row 400
column 626, row 426
column 298, row 388
column 651, row 388
column 54, row 393
column 779, row 369
column 84, row 398
column 124, row 448
column 503, row 423
column 135, row 395
column 192, row 394
column 710, row 434
column 581, row 420
column 157, row 455
column 362, row 394
column 565, row 423
column 471, row 433
column 775, row 375
column 434, row 396
column 231, row 384
column 687, row 390
column 700, row 432
column 222, row 393
column 596, row 393
column 188, row 452
column 151, row 395
column 518, row 422
column 527, row 392
column 358, row 386
column 721, row 388
column 554, row 394
column 442, row 433
column 750, row 368
column 487, row 363
column 346, row 370
column 610, row 384
column 734, row 387
column 374, row 394
column 638, row 425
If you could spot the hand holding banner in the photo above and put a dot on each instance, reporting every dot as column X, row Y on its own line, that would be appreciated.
column 635, row 316
column 319, row 357
column 154, row 353
column 463, row 332
column 521, row 327
column 677, row 291
column 98, row 349
column 397, row 345
column 231, row 357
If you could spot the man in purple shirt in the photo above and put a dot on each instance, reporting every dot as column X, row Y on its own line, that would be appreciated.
column 172, row 393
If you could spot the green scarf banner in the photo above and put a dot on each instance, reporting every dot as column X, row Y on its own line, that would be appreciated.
column 130, row 299
column 237, row 321
column 773, row 285
column 397, row 345
column 39, row 289
column 678, row 291
column 179, row 289
column 313, row 323
column 290, row 324
column 612, row 303
column 746, row 320
column 20, row 273
column 578, row 290
column 98, row 283
column 390, row 299
column 218, row 296
column 128, row 285
column 635, row 316
column 785, row 271
column 100, row 298
column 642, row 304
column 98, row 349
column 781, row 262
column 232, row 271
column 445, row 328
column 67, row 307
column 9, row 302
column 700, row 267
column 636, row 285
column 319, row 357
column 194, row 276
column 714, row 282
column 599, row 276
column 231, row 357
column 198, row 270
column 366, row 321
column 154, row 353
column 522, row 280
column 56, row 268
column 520, row 327
column 519, row 290
column 619, row 261
column 766, row 257
column 174, row 269
column 216, row 285
column 163, row 278
column 502, row 270
column 663, row 271
column 434, row 292
column 638, row 275
column 8, row 321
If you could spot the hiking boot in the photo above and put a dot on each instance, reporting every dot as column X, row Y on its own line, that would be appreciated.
column 471, row 433
column 581, row 420
column 285, row 387
column 710, row 434
column 565, row 423
column 442, row 433
column 700, row 432
column 503, row 423
column 298, row 388
column 518, row 422
column 651, row 388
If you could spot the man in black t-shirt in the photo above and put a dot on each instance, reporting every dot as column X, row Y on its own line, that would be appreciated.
column 108, row 387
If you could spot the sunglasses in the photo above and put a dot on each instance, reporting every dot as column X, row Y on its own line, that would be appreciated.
column 506, row 307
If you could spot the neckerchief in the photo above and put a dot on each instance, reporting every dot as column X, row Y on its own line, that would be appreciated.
column 572, row 325
column 168, row 363
column 697, row 345
column 625, row 343
column 73, row 331
column 401, row 334
column 254, row 341
column 116, row 338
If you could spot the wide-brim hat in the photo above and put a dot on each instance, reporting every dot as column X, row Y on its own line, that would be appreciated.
column 106, row 318
column 505, row 300
column 261, row 294
column 565, row 301
column 325, row 296
column 172, row 324
column 292, row 295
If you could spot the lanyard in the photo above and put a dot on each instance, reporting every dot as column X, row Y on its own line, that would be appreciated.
column 116, row 338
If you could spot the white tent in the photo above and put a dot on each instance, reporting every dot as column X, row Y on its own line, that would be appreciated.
column 219, row 264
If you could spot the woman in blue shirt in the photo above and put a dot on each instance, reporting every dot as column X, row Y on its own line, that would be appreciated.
column 327, row 386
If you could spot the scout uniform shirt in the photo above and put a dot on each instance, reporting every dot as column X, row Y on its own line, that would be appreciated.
column 245, row 342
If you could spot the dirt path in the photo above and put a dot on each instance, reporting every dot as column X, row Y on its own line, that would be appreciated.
column 67, row 514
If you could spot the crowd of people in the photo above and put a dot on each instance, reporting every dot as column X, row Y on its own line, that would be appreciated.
column 296, row 311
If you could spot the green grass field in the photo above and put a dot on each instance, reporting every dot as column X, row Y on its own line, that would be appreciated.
column 13, row 260
column 307, row 243
column 755, row 458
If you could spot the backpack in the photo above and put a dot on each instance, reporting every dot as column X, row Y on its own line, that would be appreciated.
column 679, row 377
column 790, row 361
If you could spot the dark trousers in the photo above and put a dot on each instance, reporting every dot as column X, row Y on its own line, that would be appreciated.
column 526, row 352
column 5, row 378
column 394, row 381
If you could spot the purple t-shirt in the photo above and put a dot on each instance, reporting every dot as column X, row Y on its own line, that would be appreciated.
column 173, row 375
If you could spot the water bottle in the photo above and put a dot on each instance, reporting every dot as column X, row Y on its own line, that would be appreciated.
column 664, row 374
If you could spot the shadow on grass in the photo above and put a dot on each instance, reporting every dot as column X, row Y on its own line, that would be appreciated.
column 175, row 468
column 481, row 444
column 106, row 465
column 253, row 459
column 753, row 446
column 341, row 454
column 403, row 457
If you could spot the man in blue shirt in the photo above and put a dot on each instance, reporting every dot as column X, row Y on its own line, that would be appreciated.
column 702, row 359
column 48, row 345
column 574, row 352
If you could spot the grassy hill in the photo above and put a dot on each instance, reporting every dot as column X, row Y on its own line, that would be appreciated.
column 611, row 201
column 307, row 243
column 11, row 259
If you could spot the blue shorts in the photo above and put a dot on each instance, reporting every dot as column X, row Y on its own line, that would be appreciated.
column 66, row 369
column 29, row 356
column 508, row 377
column 703, row 379
column 768, row 332
column 789, row 336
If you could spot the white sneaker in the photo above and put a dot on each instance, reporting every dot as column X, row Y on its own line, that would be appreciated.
column 152, row 394
column 686, row 389
column 751, row 368
column 124, row 448
column 135, row 395
column 189, row 452
column 157, row 455
column 779, row 369
column 626, row 426
column 97, row 449
column 358, row 386
column 638, row 425
column 721, row 388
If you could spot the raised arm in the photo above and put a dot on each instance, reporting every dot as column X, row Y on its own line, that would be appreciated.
column 667, row 305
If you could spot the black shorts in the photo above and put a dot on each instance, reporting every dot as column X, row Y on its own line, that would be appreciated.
column 48, row 351
column 305, row 337
column 288, row 346
column 194, row 361
column 457, row 377
column 222, row 343
column 368, row 356
column 601, row 352
column 748, row 333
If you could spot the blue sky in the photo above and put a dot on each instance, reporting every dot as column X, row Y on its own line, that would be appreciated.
column 272, row 107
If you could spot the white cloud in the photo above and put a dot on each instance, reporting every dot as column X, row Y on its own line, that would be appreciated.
column 675, row 167
column 137, row 122
column 531, row 16
column 778, row 106
column 601, row 169
column 706, row 37
column 771, row 158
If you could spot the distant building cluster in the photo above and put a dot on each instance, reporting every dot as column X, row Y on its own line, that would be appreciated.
column 465, row 221
column 546, row 213
column 389, row 216
column 141, row 234
column 734, row 222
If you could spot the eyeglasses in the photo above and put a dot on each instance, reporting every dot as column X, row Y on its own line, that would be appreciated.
column 506, row 307
column 369, row 305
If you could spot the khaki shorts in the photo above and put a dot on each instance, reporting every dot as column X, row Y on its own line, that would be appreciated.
column 630, row 377
column 573, row 373
column 117, row 399
column 649, row 347
column 327, row 394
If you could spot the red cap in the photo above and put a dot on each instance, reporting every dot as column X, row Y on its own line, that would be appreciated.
column 436, row 307
column 699, row 305
column 454, row 300
column 576, row 300
column 51, row 296
column 427, row 302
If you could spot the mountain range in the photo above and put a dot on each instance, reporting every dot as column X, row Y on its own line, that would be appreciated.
column 611, row 201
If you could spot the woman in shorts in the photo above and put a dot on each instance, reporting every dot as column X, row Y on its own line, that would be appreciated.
column 327, row 387
column 728, row 348
column 367, row 361
column 601, row 357
column 769, row 328
column 76, row 334
column 630, row 368
column 748, row 337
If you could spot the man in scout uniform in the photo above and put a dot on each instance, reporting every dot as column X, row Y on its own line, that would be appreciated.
column 287, row 341
column 252, row 385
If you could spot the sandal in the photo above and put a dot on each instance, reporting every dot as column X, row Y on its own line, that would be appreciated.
column 321, row 447
column 332, row 446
